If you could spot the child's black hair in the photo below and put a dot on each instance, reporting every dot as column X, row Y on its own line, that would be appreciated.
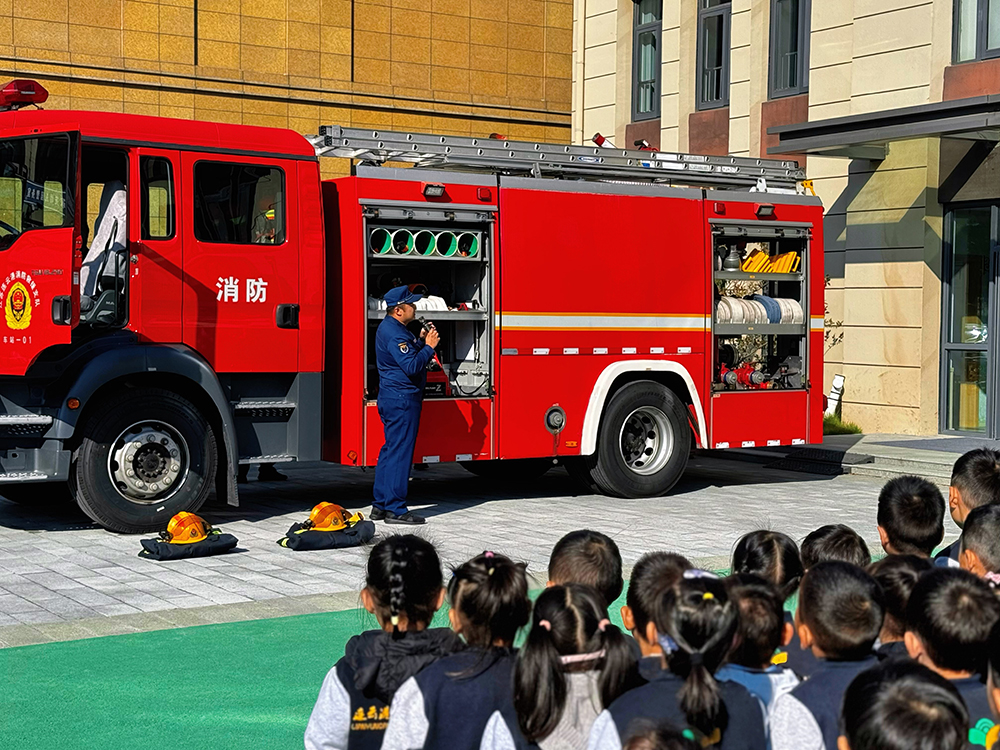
column 570, row 632
column 648, row 735
column 834, row 542
column 981, row 534
column 976, row 475
column 490, row 595
column 843, row 607
column 903, row 705
column 762, row 620
column 654, row 572
column 911, row 512
column 696, row 623
column 952, row 612
column 404, row 577
column 896, row 575
column 993, row 654
column 591, row 558
column 771, row 555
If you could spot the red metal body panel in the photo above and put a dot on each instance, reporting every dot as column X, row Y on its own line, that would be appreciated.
column 312, row 268
column 632, row 266
column 235, row 333
column 747, row 419
column 156, row 278
column 450, row 430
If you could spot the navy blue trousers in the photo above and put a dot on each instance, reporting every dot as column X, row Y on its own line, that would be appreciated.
column 400, row 417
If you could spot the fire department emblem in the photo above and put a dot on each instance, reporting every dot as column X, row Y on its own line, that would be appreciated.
column 403, row 348
column 17, row 307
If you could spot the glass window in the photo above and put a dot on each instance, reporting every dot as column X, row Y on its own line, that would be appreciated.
column 789, row 47
column 157, row 198
column 37, row 180
column 970, row 276
column 646, row 58
column 713, row 53
column 239, row 204
column 966, row 374
column 976, row 30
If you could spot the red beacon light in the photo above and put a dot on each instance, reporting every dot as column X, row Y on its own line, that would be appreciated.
column 21, row 93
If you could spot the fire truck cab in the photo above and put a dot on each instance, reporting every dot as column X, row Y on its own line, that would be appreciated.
column 180, row 297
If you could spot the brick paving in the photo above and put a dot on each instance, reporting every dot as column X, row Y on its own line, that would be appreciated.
column 61, row 577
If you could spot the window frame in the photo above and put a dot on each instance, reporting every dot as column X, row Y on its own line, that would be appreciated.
column 70, row 196
column 725, row 10
column 656, row 28
column 982, row 33
column 802, row 66
column 234, row 164
column 144, row 200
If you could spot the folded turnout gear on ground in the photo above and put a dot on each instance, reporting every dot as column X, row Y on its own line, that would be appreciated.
column 329, row 526
column 187, row 535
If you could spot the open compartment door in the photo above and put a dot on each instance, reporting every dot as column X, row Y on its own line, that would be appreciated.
column 39, row 242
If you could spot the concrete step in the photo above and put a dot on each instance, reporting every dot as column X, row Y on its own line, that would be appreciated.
column 878, row 471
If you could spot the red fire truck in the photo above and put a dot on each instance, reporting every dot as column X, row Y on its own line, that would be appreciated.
column 182, row 297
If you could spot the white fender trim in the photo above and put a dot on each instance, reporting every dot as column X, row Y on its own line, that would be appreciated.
column 599, row 396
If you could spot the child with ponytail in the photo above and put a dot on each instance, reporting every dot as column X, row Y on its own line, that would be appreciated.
column 695, row 624
column 573, row 664
column 403, row 590
column 447, row 705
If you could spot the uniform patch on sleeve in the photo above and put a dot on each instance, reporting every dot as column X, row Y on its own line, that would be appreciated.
column 404, row 347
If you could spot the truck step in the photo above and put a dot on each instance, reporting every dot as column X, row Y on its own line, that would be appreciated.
column 267, row 459
column 263, row 407
column 23, row 476
column 41, row 420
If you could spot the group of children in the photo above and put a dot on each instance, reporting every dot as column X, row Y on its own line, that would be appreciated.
column 902, row 653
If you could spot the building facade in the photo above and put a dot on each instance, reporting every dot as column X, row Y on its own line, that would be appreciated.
column 890, row 106
column 463, row 67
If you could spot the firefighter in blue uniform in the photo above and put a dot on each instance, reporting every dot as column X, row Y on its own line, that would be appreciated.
column 402, row 361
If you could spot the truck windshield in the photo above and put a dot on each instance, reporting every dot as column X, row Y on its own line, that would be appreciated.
column 36, row 185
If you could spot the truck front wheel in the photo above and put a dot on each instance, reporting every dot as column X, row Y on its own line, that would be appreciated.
column 643, row 445
column 145, row 456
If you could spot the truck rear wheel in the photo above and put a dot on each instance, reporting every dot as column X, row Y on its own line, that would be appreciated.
column 511, row 470
column 643, row 445
column 145, row 456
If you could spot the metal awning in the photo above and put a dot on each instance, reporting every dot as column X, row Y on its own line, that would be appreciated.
column 867, row 136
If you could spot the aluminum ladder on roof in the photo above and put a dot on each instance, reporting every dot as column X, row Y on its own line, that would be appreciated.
column 556, row 160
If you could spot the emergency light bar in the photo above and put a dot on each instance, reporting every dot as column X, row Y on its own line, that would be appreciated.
column 21, row 93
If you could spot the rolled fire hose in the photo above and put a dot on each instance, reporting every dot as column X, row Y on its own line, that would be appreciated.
column 447, row 244
column 402, row 242
column 468, row 244
column 380, row 241
column 424, row 242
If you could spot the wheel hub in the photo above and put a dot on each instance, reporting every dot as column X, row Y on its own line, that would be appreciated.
column 646, row 440
column 148, row 462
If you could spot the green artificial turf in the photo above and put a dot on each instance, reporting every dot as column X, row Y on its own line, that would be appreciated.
column 238, row 685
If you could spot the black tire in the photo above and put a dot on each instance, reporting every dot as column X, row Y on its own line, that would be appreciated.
column 607, row 469
column 512, row 470
column 38, row 494
column 96, row 493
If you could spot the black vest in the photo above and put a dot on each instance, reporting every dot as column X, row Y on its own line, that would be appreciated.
column 823, row 694
column 657, row 701
column 373, row 668
column 461, row 692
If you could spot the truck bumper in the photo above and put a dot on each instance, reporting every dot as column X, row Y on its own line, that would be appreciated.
column 48, row 463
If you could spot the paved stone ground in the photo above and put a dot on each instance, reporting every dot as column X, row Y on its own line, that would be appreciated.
column 61, row 577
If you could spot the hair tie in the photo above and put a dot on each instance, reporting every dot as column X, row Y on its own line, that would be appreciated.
column 668, row 644
column 546, row 624
column 577, row 658
column 707, row 596
column 603, row 624
column 993, row 579
column 697, row 659
column 394, row 620
column 487, row 554
column 695, row 573
column 490, row 571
